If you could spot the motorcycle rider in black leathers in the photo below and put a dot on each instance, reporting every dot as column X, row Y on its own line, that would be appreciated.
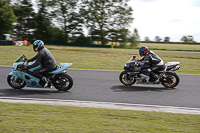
column 153, row 60
column 43, row 57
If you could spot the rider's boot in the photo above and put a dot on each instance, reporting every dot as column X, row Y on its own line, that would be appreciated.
column 44, row 79
column 156, row 79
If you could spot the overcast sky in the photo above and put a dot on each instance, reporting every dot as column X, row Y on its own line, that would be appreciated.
column 172, row 18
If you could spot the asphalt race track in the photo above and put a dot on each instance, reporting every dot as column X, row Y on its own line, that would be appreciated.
column 104, row 86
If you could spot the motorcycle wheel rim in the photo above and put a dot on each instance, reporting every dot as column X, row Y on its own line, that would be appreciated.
column 63, row 82
column 127, row 81
column 15, row 83
column 172, row 81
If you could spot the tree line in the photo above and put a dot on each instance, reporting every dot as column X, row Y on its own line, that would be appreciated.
column 185, row 39
column 67, row 20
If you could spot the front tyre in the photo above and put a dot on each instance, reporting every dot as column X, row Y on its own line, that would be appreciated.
column 126, row 79
column 63, row 82
column 16, row 84
column 171, row 80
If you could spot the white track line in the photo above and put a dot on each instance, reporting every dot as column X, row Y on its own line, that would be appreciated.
column 106, row 105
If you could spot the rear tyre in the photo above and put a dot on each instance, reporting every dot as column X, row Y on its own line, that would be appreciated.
column 63, row 82
column 126, row 79
column 171, row 80
column 18, row 84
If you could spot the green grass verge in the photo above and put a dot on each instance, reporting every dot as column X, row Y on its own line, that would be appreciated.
column 107, row 58
column 31, row 118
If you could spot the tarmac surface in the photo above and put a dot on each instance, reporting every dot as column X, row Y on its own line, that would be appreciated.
column 102, row 89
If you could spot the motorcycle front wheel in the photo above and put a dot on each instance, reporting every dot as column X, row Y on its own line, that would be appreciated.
column 63, row 82
column 126, row 79
column 171, row 80
column 16, row 84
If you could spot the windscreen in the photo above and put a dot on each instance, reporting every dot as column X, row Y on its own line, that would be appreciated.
column 21, row 58
column 131, row 60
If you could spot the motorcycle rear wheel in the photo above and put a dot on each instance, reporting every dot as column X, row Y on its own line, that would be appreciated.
column 63, row 82
column 18, row 84
column 124, row 79
column 172, row 80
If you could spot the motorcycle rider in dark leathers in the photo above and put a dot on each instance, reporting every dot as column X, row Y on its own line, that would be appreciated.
column 152, row 59
column 43, row 57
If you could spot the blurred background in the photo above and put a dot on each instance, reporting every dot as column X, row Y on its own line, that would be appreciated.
column 106, row 22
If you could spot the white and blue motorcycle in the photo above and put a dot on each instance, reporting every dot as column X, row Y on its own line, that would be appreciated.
column 58, row 78
column 132, row 74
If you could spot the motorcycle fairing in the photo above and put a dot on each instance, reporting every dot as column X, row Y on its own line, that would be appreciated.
column 21, row 58
column 30, row 80
column 172, row 65
column 37, row 67
column 61, row 67
column 127, row 66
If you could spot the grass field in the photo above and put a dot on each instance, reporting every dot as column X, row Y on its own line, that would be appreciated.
column 107, row 58
column 26, row 118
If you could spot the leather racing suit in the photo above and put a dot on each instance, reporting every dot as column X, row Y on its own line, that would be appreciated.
column 46, row 59
column 155, row 62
